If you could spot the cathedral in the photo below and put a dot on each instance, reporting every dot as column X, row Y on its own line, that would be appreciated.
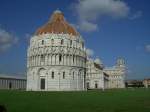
column 57, row 61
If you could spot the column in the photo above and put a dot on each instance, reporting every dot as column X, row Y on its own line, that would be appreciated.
column 65, row 59
column 46, row 58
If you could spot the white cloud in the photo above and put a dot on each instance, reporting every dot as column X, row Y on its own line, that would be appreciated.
column 137, row 15
column 89, row 52
column 27, row 38
column 7, row 40
column 87, row 26
column 147, row 48
column 90, row 10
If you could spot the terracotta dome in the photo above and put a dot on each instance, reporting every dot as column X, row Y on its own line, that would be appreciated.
column 57, row 24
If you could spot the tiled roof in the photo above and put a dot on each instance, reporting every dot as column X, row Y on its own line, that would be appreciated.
column 57, row 25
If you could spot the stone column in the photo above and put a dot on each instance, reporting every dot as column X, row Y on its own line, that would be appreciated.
column 52, row 59
column 33, row 60
column 65, row 59
column 70, row 60
column 39, row 63
column 46, row 59
column 48, row 56
column 83, row 79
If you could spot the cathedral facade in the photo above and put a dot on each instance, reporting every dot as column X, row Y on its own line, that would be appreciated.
column 57, row 60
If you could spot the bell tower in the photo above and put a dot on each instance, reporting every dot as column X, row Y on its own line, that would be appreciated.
column 120, row 63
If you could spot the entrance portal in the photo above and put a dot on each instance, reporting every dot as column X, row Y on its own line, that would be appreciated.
column 96, row 85
column 42, row 83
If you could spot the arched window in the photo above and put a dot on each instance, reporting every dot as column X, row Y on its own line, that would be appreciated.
column 52, row 41
column 42, row 58
column 73, row 75
column 62, row 42
column 73, row 58
column 63, row 75
column 60, row 58
column 42, row 42
column 52, row 76
column 70, row 42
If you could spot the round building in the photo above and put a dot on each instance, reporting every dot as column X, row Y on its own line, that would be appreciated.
column 56, row 57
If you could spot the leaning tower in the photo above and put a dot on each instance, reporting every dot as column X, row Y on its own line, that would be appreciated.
column 121, row 67
column 56, row 57
column 120, row 63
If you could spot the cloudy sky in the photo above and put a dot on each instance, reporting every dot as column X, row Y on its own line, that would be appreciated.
column 110, row 28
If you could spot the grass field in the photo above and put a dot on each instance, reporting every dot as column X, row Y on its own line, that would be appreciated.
column 92, row 101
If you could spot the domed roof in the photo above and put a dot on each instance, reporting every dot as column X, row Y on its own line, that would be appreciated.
column 98, row 61
column 57, row 24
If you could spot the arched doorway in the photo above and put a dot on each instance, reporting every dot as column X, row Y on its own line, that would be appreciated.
column 42, row 83
column 96, row 85
column 42, row 79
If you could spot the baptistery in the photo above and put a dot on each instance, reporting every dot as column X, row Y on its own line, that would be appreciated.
column 56, row 57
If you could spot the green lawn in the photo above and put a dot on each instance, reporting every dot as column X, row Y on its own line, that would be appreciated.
column 92, row 101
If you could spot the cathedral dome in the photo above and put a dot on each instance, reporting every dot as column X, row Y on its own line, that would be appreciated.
column 57, row 25
column 98, row 61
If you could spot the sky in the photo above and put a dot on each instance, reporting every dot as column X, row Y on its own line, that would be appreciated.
column 110, row 28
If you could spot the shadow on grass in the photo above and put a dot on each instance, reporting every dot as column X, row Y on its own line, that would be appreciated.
column 3, row 108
